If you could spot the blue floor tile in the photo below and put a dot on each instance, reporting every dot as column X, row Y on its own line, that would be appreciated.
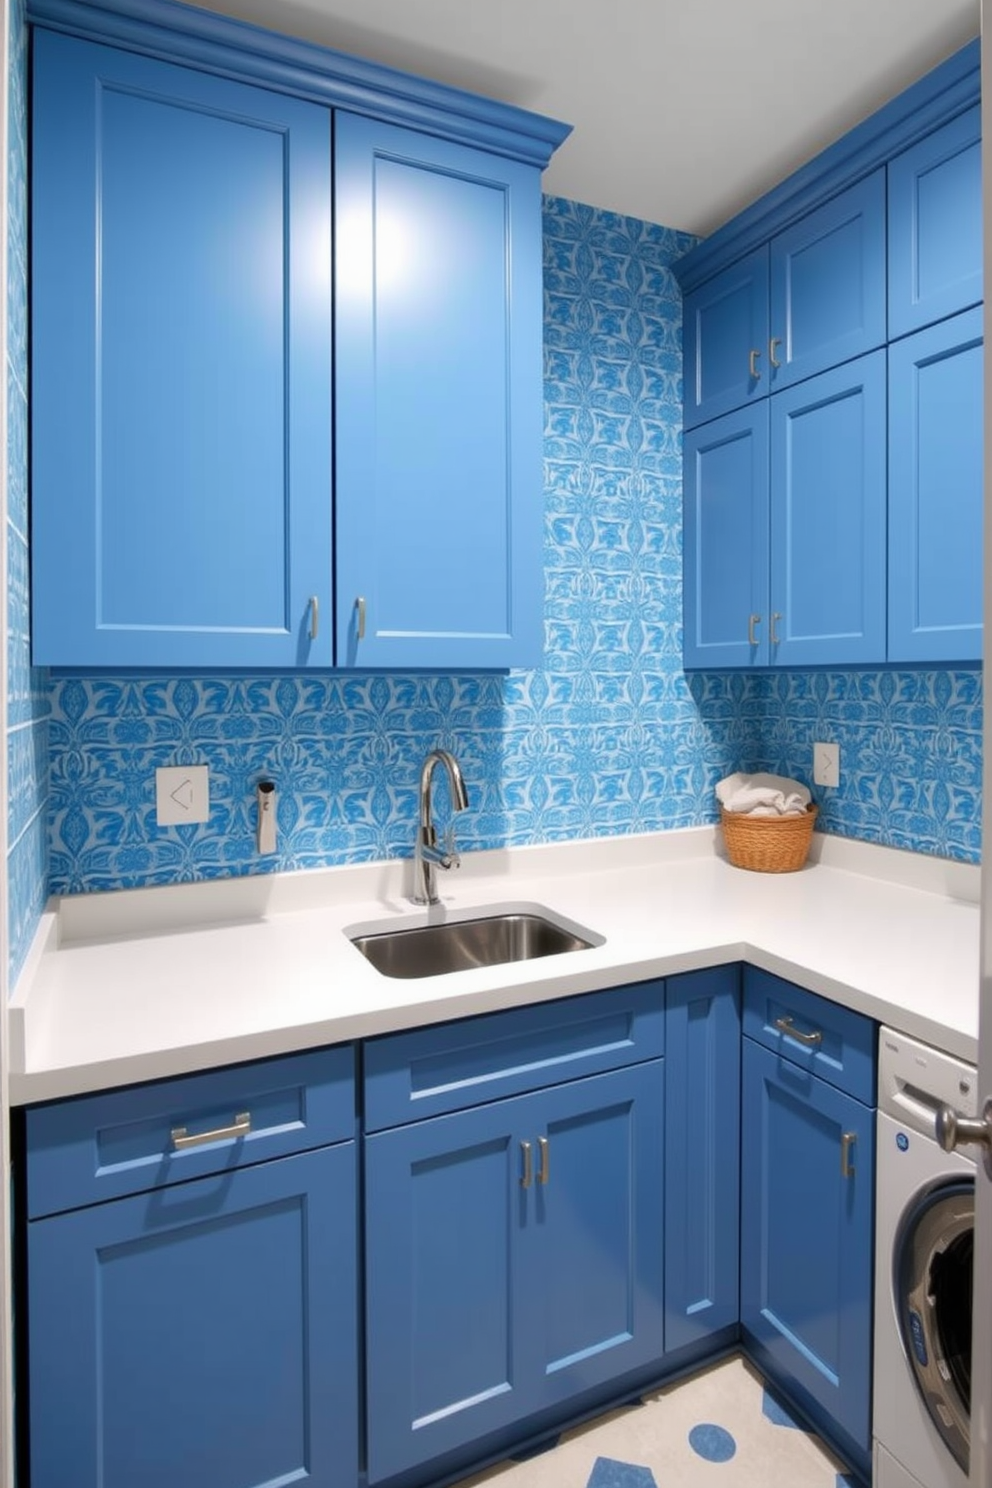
column 608, row 1473
column 775, row 1411
column 714, row 1443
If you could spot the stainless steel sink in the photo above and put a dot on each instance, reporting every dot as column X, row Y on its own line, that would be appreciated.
column 458, row 945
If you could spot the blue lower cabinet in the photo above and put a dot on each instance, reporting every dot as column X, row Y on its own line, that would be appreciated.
column 702, row 1154
column 514, row 1260
column 806, row 1242
column 203, row 1334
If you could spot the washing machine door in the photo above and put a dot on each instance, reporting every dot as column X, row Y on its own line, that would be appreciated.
column 932, row 1274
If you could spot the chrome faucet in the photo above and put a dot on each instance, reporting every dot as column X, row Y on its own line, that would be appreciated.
column 427, row 856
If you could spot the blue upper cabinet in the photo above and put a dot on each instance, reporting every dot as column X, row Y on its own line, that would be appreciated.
column 725, row 542
column 181, row 366
column 868, row 259
column 827, row 275
column 935, row 492
column 810, row 298
column 439, row 496
column 828, row 471
column 725, row 340
column 208, row 488
column 935, row 226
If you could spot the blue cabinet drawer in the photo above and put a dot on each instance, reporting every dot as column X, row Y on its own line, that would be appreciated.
column 451, row 1066
column 830, row 1041
column 106, row 1146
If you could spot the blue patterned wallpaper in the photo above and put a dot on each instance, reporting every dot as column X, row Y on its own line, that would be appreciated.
column 27, row 701
column 608, row 737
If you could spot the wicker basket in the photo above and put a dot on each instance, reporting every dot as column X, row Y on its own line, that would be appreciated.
column 768, row 844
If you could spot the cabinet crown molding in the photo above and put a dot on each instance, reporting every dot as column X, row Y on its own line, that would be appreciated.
column 174, row 32
column 950, row 88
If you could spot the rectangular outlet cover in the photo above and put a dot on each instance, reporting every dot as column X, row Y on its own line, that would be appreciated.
column 826, row 764
column 182, row 794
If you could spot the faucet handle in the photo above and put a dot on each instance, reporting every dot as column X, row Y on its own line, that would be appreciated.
column 450, row 850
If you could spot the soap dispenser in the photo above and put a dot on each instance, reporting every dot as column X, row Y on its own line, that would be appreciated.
column 265, row 794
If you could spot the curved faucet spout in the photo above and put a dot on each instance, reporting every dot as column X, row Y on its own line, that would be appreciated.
column 427, row 856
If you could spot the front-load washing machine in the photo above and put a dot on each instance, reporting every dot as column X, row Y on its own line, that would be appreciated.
column 924, row 1228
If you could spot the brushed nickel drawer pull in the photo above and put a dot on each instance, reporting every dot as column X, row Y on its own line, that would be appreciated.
column 811, row 1040
column 240, row 1127
column 752, row 363
column 847, row 1141
column 774, row 635
column 528, row 1176
column 775, row 341
column 360, row 623
column 314, row 617
column 752, row 621
column 543, row 1148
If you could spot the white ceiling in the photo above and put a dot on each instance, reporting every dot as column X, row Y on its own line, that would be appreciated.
column 684, row 110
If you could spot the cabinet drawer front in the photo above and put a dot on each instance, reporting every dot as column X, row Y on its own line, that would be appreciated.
column 105, row 1146
column 411, row 1076
column 830, row 1041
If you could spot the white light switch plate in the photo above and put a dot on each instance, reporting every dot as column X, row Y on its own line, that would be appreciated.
column 182, row 794
column 826, row 764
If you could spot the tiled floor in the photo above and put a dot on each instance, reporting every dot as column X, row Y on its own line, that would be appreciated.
column 720, row 1428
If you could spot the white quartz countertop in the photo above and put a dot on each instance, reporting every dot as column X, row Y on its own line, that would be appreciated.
column 145, row 984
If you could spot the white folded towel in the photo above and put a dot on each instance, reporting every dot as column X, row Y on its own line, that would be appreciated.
column 763, row 795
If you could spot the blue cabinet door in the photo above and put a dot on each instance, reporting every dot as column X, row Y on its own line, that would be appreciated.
column 181, row 366
column 513, row 1260
column 595, row 1229
column 828, row 503
column 725, row 541
column 702, row 1154
column 447, row 1312
column 438, row 411
column 935, row 492
column 827, row 285
column 725, row 340
column 807, row 1186
column 935, row 226
column 200, row 1334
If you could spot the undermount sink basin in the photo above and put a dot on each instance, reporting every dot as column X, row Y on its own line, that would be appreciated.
column 459, row 945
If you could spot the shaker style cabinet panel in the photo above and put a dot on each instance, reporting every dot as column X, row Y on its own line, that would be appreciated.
column 438, row 316
column 181, row 366
column 725, row 541
column 230, row 471
column 702, row 1154
column 935, row 226
column 827, row 275
column 936, row 419
column 513, row 1261
column 827, row 525
column 812, row 297
column 725, row 339
column 784, row 539
column 807, row 1185
column 200, row 1334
